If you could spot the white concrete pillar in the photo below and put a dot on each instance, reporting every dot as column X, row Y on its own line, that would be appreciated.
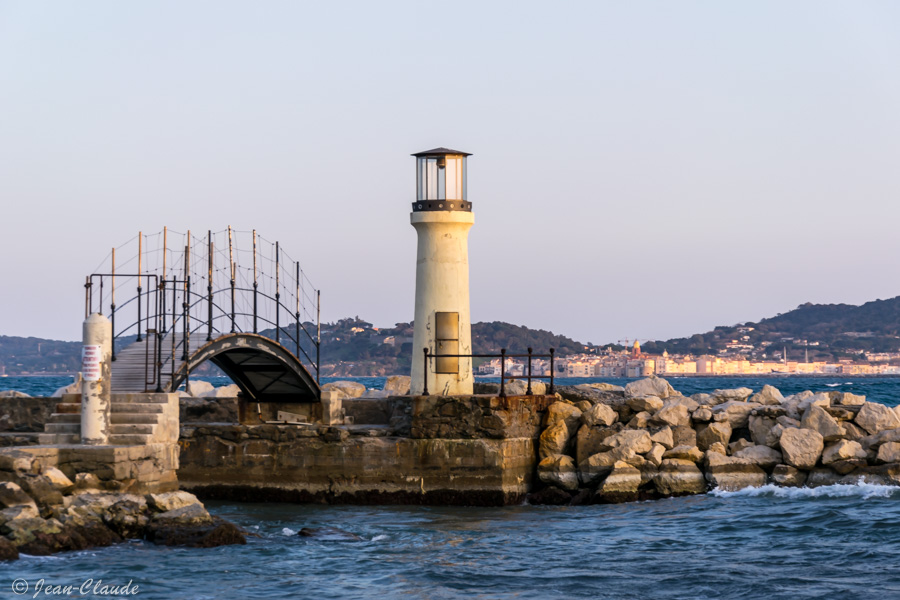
column 96, row 364
column 442, row 285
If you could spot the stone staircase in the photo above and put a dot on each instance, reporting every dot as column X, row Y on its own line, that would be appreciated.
column 135, row 419
column 132, row 371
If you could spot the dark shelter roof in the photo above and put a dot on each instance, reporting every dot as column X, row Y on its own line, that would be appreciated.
column 441, row 152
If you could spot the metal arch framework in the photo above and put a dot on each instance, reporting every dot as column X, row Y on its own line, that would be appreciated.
column 265, row 370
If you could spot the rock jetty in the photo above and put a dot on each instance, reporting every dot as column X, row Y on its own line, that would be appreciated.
column 43, row 512
column 607, row 444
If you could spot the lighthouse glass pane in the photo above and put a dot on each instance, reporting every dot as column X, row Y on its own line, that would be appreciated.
column 420, row 179
column 464, row 169
column 431, row 179
column 451, row 175
column 441, row 183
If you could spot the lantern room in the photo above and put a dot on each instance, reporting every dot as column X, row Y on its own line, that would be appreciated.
column 441, row 180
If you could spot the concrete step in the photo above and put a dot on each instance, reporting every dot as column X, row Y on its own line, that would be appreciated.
column 147, row 408
column 65, row 418
column 123, row 418
column 69, row 407
column 137, row 397
column 58, row 438
column 73, row 428
column 129, row 429
column 129, row 439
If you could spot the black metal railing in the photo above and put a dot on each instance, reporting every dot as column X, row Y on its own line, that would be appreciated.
column 169, row 306
column 503, row 376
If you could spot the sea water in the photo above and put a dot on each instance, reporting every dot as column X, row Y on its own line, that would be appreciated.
column 837, row 542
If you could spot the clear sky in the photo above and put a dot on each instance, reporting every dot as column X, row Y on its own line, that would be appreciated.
column 641, row 169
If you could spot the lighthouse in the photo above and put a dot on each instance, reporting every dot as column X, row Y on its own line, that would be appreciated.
column 442, row 216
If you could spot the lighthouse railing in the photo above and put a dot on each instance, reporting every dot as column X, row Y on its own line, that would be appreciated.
column 528, row 376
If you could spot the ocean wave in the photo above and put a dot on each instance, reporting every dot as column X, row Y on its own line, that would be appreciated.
column 378, row 538
column 841, row 490
column 287, row 531
column 832, row 384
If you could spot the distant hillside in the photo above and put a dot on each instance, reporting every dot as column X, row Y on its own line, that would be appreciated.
column 829, row 331
column 32, row 355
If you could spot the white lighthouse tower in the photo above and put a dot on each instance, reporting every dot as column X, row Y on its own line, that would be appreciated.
column 442, row 216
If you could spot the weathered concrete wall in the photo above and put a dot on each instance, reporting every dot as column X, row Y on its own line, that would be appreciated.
column 150, row 468
column 475, row 450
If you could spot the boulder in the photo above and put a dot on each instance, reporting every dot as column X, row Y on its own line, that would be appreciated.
column 874, row 417
column 555, row 439
column 769, row 395
column 817, row 419
column 591, row 440
column 702, row 415
column 887, row 453
column 599, row 414
column 397, row 385
column 875, row 440
column 792, row 404
column 715, row 432
column 664, row 437
column 852, row 431
column 562, row 411
column 58, row 479
column 42, row 537
column 620, row 485
column 225, row 391
column 519, row 387
column 738, row 445
column 735, row 395
column 773, row 438
column 691, row 453
column 650, row 404
column 41, row 488
column 655, row 456
column 606, row 387
column 677, row 477
column 23, row 511
column 550, row 496
column 598, row 465
column 585, row 406
column 735, row 413
column 640, row 420
column 8, row 550
column 801, row 448
column 558, row 470
column 822, row 477
column 848, row 399
column 170, row 501
column 11, row 496
column 635, row 441
column 87, row 482
column 349, row 389
column 652, row 386
column 732, row 473
column 674, row 414
column 705, row 400
column 842, row 450
column 13, row 394
column 761, row 456
column 127, row 518
column 72, row 388
column 788, row 476
column 684, row 436
column 760, row 428
column 197, row 388
column 718, row 448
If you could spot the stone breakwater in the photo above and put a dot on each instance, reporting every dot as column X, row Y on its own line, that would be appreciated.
column 607, row 444
column 42, row 512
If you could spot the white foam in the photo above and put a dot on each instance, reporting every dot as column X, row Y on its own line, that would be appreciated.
column 288, row 531
column 378, row 538
column 832, row 384
column 841, row 490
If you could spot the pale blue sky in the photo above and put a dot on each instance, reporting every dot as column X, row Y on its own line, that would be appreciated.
column 640, row 169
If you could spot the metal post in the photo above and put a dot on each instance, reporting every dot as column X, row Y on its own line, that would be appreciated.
column 174, row 319
column 425, row 371
column 112, row 309
column 528, row 389
column 139, row 288
column 297, row 314
column 277, row 295
column 209, row 289
column 552, row 369
column 101, row 295
column 231, row 260
column 186, row 304
column 318, row 329
column 255, row 283
column 160, row 310
column 503, row 372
